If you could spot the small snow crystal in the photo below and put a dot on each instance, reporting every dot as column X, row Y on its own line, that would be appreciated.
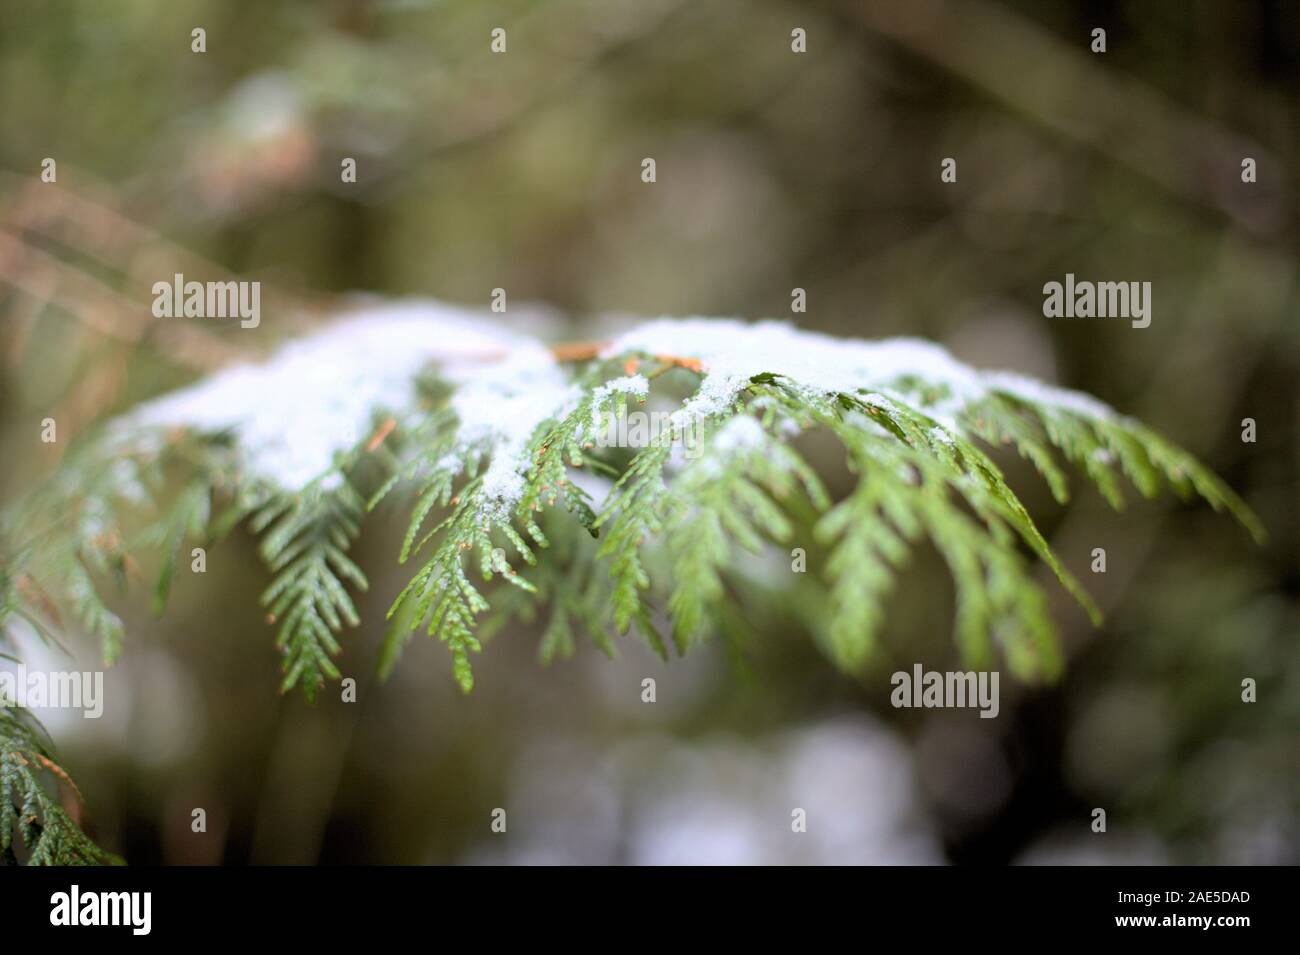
column 942, row 435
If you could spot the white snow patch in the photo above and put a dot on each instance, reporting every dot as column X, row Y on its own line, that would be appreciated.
column 500, row 405
column 1038, row 392
column 732, row 352
column 637, row 386
column 315, row 397
column 741, row 433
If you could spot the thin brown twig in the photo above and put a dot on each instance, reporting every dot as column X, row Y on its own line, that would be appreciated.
column 63, row 776
column 380, row 434
column 586, row 351
column 578, row 351
column 88, row 299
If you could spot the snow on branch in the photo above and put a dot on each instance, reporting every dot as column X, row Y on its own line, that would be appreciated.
column 497, row 442
column 499, row 446
column 293, row 415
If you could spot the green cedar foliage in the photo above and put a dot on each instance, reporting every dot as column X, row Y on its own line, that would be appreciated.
column 660, row 553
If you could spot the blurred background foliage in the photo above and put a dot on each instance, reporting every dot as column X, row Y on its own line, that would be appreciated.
column 775, row 170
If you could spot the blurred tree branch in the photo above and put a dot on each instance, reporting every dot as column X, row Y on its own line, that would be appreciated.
column 1060, row 88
